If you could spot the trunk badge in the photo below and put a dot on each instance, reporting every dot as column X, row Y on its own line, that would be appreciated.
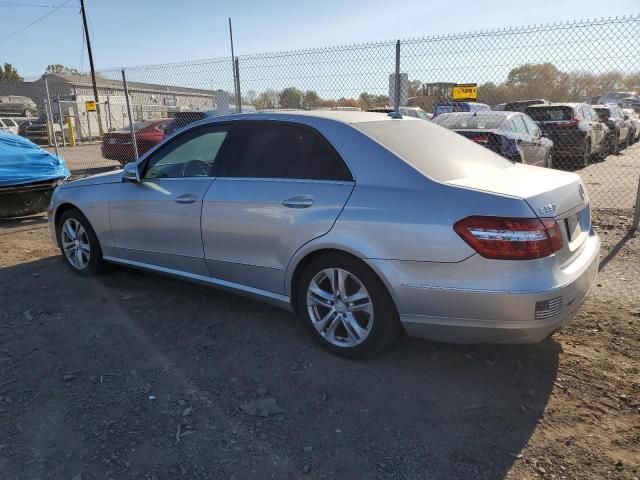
column 551, row 207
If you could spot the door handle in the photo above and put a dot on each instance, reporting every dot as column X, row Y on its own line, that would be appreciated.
column 186, row 198
column 298, row 201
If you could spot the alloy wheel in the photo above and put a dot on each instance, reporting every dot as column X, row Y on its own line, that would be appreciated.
column 75, row 243
column 340, row 307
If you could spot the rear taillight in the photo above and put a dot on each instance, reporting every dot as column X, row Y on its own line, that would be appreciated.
column 510, row 238
column 569, row 123
column 480, row 139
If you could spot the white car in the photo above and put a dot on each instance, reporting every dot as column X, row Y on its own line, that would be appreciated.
column 8, row 125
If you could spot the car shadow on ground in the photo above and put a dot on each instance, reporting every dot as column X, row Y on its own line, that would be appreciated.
column 416, row 410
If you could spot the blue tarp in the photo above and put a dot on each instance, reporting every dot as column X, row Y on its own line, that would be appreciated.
column 22, row 161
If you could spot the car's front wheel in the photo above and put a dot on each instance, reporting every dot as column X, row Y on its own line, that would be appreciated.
column 346, row 306
column 78, row 243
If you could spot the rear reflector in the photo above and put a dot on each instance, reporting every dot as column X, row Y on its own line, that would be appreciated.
column 510, row 238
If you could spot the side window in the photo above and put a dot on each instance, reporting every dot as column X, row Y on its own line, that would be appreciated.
column 531, row 126
column 191, row 154
column 519, row 124
column 281, row 150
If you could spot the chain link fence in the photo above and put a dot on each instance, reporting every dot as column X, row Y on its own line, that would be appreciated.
column 572, row 90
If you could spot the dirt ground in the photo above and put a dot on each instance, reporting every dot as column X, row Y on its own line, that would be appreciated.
column 132, row 375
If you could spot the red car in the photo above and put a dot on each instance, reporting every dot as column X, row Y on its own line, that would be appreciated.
column 117, row 145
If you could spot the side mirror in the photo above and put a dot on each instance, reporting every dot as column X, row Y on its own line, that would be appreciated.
column 131, row 173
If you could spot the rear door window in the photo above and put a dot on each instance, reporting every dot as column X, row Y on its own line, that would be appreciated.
column 282, row 150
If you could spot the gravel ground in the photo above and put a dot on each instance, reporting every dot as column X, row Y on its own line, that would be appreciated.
column 132, row 375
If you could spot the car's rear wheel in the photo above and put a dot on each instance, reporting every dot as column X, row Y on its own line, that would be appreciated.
column 78, row 243
column 346, row 306
column 585, row 158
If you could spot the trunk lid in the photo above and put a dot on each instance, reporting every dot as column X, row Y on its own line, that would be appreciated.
column 549, row 193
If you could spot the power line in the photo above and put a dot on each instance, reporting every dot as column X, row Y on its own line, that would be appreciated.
column 35, row 21
column 29, row 5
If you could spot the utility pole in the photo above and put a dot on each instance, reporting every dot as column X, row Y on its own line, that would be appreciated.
column 233, row 67
column 93, row 70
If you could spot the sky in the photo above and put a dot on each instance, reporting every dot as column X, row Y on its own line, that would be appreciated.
column 141, row 32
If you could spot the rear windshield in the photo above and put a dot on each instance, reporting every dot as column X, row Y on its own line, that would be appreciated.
column 451, row 107
column 550, row 114
column 475, row 122
column 603, row 113
column 436, row 152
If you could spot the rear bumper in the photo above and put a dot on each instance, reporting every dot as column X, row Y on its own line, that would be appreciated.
column 567, row 143
column 468, row 308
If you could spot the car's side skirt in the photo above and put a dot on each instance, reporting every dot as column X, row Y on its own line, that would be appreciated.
column 280, row 301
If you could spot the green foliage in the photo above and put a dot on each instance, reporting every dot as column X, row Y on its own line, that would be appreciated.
column 291, row 97
column 9, row 74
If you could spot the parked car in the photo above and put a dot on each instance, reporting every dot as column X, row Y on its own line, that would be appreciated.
column 520, row 105
column 182, row 119
column 28, row 176
column 574, row 129
column 362, row 223
column 634, row 124
column 17, row 106
column 118, row 146
column 449, row 107
column 8, row 124
column 612, row 116
column 38, row 130
column 510, row 134
column 415, row 112
column 619, row 98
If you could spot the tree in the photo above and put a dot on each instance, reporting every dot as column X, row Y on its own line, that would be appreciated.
column 60, row 69
column 250, row 97
column 266, row 100
column 347, row 102
column 290, row 97
column 310, row 99
column 370, row 100
column 9, row 74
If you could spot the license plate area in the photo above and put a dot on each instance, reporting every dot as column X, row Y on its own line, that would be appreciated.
column 573, row 226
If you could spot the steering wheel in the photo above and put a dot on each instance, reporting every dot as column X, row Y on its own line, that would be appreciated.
column 196, row 168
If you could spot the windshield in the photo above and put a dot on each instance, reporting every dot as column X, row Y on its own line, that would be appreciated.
column 470, row 121
column 434, row 151
column 550, row 114
column 603, row 113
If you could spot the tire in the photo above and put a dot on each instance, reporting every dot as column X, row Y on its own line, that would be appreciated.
column 615, row 146
column 373, row 311
column 89, row 261
column 585, row 158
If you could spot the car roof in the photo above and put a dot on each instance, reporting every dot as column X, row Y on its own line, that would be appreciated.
column 557, row 104
column 484, row 113
column 349, row 117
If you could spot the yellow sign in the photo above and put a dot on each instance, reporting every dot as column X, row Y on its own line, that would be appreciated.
column 465, row 91
column 90, row 105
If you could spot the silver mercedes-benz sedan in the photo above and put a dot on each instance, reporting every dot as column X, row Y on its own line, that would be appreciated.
column 364, row 224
